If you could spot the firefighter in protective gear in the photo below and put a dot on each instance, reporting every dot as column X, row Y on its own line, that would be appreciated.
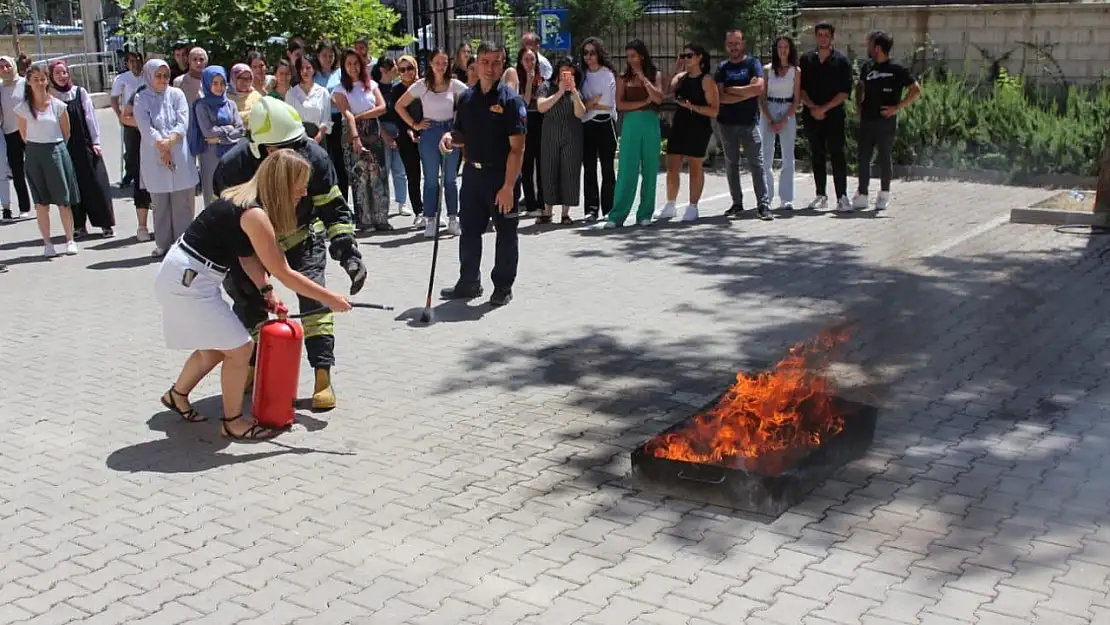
column 324, row 225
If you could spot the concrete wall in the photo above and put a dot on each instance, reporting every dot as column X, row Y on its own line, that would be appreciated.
column 1026, row 37
column 60, row 45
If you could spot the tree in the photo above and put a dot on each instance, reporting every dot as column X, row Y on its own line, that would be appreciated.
column 599, row 18
column 228, row 29
column 15, row 11
column 707, row 21
column 1102, row 191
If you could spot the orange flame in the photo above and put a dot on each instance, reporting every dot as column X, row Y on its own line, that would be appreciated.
column 764, row 422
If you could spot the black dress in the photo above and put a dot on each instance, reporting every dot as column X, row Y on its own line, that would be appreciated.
column 690, row 131
column 95, row 206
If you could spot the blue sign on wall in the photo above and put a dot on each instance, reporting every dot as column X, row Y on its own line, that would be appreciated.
column 553, row 29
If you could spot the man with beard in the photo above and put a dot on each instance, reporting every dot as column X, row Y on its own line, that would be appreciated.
column 322, row 214
column 878, row 100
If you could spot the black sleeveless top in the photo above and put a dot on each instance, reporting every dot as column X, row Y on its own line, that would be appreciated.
column 690, row 89
column 216, row 234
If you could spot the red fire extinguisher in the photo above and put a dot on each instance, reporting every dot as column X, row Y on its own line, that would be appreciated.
column 276, row 371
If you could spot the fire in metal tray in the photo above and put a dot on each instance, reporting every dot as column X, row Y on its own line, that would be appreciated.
column 766, row 422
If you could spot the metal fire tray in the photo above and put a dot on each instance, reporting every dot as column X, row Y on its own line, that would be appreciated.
column 750, row 489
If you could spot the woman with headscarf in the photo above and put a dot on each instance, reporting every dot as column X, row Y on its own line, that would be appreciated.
column 95, row 206
column 214, row 127
column 167, row 168
column 11, row 94
column 44, row 125
column 242, row 92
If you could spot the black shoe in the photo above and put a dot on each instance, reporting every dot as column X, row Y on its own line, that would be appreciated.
column 591, row 215
column 386, row 227
column 734, row 211
column 7, row 214
column 500, row 297
column 462, row 291
column 765, row 213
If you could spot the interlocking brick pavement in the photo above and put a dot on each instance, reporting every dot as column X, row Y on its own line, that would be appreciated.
column 476, row 470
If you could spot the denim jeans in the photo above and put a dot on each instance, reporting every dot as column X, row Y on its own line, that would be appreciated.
column 735, row 137
column 432, row 163
column 395, row 166
column 786, row 138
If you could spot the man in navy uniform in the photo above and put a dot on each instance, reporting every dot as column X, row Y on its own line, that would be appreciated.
column 490, row 122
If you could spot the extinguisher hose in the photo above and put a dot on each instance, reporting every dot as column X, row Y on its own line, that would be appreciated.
column 324, row 309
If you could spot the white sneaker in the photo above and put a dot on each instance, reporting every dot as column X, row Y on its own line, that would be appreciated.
column 158, row 252
column 820, row 202
column 691, row 213
column 71, row 248
column 644, row 222
column 786, row 206
column 859, row 202
column 844, row 205
column 883, row 201
column 430, row 229
column 609, row 225
column 453, row 226
column 48, row 251
column 667, row 212
column 403, row 208
column 419, row 221
column 142, row 235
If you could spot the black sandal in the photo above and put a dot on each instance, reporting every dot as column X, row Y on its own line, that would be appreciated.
column 190, row 415
column 543, row 219
column 256, row 432
column 566, row 220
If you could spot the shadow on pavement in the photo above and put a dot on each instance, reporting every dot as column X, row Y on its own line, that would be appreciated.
column 977, row 362
column 196, row 447
column 126, row 263
column 450, row 311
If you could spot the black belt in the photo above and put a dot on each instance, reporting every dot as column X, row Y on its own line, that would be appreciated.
column 195, row 255
column 781, row 100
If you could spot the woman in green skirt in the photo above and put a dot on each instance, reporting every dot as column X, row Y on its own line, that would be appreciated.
column 44, row 126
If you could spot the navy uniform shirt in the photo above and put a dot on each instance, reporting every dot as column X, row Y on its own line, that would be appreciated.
column 485, row 121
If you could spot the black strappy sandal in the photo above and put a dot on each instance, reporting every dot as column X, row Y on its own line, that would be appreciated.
column 566, row 220
column 190, row 415
column 256, row 432
column 543, row 219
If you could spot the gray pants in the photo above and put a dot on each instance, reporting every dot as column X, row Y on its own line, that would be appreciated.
column 876, row 135
column 208, row 160
column 173, row 212
column 733, row 138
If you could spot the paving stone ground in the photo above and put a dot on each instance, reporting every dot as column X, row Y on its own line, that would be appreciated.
column 476, row 470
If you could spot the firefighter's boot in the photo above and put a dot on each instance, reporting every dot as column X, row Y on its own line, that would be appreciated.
column 323, row 397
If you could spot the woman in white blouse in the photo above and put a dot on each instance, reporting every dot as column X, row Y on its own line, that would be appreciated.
column 44, row 126
column 361, row 103
column 311, row 101
column 599, row 91
column 438, row 92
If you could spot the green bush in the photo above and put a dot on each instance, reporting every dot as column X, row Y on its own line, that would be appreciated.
column 1001, row 125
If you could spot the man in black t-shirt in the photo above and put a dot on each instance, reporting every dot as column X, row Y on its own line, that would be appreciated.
column 739, row 84
column 878, row 100
column 826, row 85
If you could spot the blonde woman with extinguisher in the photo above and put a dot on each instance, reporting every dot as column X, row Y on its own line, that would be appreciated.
column 241, row 227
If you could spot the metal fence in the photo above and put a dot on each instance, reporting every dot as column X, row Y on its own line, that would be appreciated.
column 661, row 25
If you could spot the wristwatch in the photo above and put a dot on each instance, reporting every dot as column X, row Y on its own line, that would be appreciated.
column 266, row 288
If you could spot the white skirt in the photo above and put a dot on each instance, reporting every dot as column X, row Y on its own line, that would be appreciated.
column 195, row 316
